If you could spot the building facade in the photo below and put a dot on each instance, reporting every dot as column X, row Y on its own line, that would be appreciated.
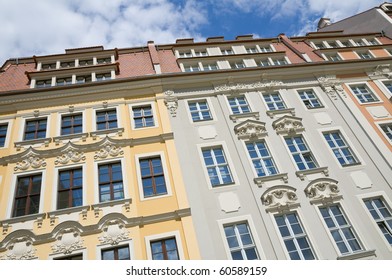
column 276, row 148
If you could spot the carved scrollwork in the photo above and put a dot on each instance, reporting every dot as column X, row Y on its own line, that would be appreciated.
column 279, row 198
column 20, row 249
column 250, row 130
column 113, row 232
column 31, row 161
column 382, row 71
column 68, row 156
column 108, row 150
column 68, row 240
column 323, row 191
column 236, row 88
column 171, row 102
column 331, row 86
column 288, row 125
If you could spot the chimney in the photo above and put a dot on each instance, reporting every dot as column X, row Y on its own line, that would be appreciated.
column 323, row 22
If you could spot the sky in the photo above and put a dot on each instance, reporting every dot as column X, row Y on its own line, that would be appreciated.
column 43, row 27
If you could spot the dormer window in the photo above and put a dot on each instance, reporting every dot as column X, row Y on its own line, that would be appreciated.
column 252, row 50
column 43, row 83
column 279, row 61
column 201, row 53
column 192, row 68
column 67, row 64
column 237, row 65
column 86, row 62
column 360, row 42
column 48, row 66
column 103, row 76
column 185, row 54
column 83, row 79
column 227, row 51
column 372, row 42
column 104, row 60
column 265, row 49
column 332, row 44
column 319, row 46
column 63, row 81
column 265, row 62
column 346, row 43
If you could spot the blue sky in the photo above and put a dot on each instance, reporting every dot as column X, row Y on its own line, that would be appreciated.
column 44, row 27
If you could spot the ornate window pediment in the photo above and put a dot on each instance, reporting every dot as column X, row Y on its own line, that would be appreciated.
column 113, row 232
column 68, row 240
column 20, row 248
column 288, row 125
column 323, row 191
column 280, row 198
column 250, row 129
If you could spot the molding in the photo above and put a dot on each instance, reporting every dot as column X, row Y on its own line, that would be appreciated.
column 358, row 255
column 20, row 248
column 323, row 191
column 250, row 129
column 302, row 173
column 280, row 199
column 288, row 125
column 381, row 71
column 68, row 241
column 77, row 136
column 31, row 161
column 235, row 117
column 171, row 102
column 24, row 143
column 108, row 150
column 118, row 131
column 331, row 85
column 83, row 148
column 70, row 155
column 233, row 88
column 260, row 180
column 287, row 111
column 113, row 232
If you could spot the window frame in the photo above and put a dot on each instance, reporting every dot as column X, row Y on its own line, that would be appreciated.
column 102, row 109
column 162, row 236
column 370, row 90
column 380, row 127
column 238, row 105
column 115, row 249
column 166, row 174
column 309, row 148
column 139, row 105
column 271, row 156
column 269, row 93
column 35, row 119
column 318, row 97
column 71, row 114
column 7, row 135
column 339, row 148
column 208, row 102
column 57, row 178
column 152, row 176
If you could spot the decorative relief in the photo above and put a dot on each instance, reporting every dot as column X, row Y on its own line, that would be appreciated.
column 68, row 156
column 331, row 86
column 32, row 161
column 108, row 150
column 323, row 191
column 113, row 232
column 20, row 249
column 171, row 102
column 68, row 241
column 381, row 71
column 280, row 198
column 250, row 130
column 288, row 125
column 235, row 88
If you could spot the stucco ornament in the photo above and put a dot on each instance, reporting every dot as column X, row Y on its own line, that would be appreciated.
column 68, row 240
column 331, row 85
column 20, row 249
column 70, row 156
column 288, row 125
column 30, row 162
column 279, row 198
column 382, row 70
column 113, row 232
column 237, row 87
column 323, row 191
column 108, row 150
column 250, row 129
column 171, row 102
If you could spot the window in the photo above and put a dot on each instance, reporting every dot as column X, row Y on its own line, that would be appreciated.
column 310, row 99
column 279, row 61
column 63, row 81
column 71, row 124
column 48, row 66
column 43, row 83
column 35, row 129
column 363, row 93
column 341, row 230
column 104, row 60
column 372, row 42
column 381, row 215
column 106, row 119
column 274, row 101
column 345, row 43
column 70, row 188
column 228, row 51
column 201, row 53
column 300, row 152
column 261, row 158
column 237, row 65
column 265, row 62
column 387, row 128
column 110, row 182
column 239, row 105
column 360, row 42
column 319, row 45
column 3, row 133
column 70, row 258
column 217, row 166
column 388, row 84
column 265, row 49
column 210, row 66
column 333, row 57
column 86, row 62
column 165, row 249
column 332, row 44
column 83, row 79
column 67, row 64
column 364, row 55
column 240, row 242
column 252, row 50
column 27, row 195
column 192, row 68
column 185, row 54
column 103, row 76
column 117, row 253
column 143, row 116
column 153, row 178
column 199, row 110
column 294, row 237
column 340, row 149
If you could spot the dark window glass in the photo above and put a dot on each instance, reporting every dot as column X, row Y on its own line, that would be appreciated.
column 27, row 195
column 70, row 188
column 71, row 124
column 165, row 249
column 106, row 119
column 35, row 129
column 110, row 182
column 118, row 253
column 3, row 134
column 153, row 178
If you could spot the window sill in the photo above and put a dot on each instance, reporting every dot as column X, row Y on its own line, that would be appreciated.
column 260, row 180
column 22, row 219
column 358, row 255
column 68, row 211
column 288, row 111
column 118, row 131
column 81, row 136
column 302, row 173
column 235, row 117
column 24, row 143
column 125, row 201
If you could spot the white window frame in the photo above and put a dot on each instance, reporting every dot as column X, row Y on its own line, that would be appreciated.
column 236, row 63
column 229, row 162
column 192, row 67
column 285, row 58
column 271, row 155
column 122, row 243
column 82, row 251
column 349, row 220
column 100, row 109
column 14, row 181
column 358, row 53
column 384, row 88
column 151, row 238
column 318, row 96
column 55, row 184
column 124, row 177
column 310, row 148
column 212, row 111
column 237, row 96
column 166, row 173
column 223, row 50
column 281, row 98
column 379, row 100
column 379, row 124
column 240, row 219
column 153, row 110
column 8, row 132
column 207, row 66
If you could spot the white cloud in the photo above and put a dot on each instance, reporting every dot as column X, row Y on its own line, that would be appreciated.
column 45, row 26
